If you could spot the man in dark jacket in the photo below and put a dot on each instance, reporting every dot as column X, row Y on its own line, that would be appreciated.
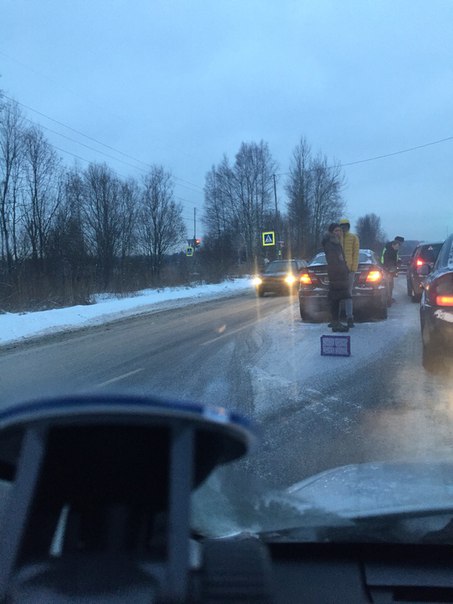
column 338, row 272
column 390, row 263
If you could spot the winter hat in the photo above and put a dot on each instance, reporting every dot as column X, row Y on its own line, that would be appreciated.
column 333, row 226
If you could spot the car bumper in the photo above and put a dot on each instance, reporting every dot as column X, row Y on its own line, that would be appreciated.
column 276, row 287
column 439, row 326
column 362, row 298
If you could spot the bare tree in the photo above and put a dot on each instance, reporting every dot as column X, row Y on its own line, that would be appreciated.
column 42, row 191
column 370, row 233
column 298, row 189
column 253, row 188
column 67, row 252
column 11, row 155
column 326, row 203
column 161, row 224
column 218, row 200
column 130, row 202
column 102, row 216
column 239, row 198
column 314, row 198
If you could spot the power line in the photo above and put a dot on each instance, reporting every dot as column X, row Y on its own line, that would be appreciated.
column 183, row 182
column 362, row 161
column 376, row 157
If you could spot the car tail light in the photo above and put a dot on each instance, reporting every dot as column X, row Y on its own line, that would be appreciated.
column 440, row 291
column 374, row 277
column 308, row 278
column 444, row 300
column 419, row 262
column 370, row 276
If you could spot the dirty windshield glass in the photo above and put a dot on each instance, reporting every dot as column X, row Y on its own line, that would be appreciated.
column 157, row 159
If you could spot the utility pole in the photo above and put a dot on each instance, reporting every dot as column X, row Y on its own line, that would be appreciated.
column 278, row 235
column 275, row 196
column 194, row 223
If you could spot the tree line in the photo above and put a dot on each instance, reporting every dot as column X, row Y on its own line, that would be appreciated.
column 67, row 233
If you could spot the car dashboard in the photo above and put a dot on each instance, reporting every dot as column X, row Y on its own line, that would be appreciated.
column 97, row 509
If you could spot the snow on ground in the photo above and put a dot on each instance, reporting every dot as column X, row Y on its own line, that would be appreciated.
column 16, row 327
column 291, row 366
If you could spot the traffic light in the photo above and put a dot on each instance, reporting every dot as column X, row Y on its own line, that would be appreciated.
column 197, row 242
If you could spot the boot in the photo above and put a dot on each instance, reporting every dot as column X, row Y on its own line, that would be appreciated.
column 339, row 328
column 350, row 322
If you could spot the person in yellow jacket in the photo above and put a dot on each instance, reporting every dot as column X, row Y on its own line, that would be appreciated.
column 351, row 245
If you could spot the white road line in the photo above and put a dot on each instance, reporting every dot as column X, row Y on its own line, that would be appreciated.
column 225, row 334
column 120, row 377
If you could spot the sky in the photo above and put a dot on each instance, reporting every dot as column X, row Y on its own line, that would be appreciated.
column 182, row 83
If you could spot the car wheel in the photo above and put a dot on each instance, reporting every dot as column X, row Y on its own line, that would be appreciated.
column 303, row 314
column 260, row 291
column 409, row 288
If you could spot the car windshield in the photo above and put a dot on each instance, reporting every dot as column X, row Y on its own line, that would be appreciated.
column 281, row 267
column 429, row 252
column 364, row 257
column 158, row 159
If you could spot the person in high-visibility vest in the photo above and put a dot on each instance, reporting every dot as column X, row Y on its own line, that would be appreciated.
column 351, row 245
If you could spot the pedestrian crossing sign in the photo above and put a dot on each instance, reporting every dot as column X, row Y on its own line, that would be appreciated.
column 269, row 238
column 189, row 251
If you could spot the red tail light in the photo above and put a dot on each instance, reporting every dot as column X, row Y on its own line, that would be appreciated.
column 444, row 300
column 440, row 291
column 374, row 277
column 308, row 278
column 419, row 262
column 370, row 276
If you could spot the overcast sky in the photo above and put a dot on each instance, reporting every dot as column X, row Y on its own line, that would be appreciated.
column 181, row 83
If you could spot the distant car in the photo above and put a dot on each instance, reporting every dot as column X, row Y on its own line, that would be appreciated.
column 405, row 254
column 424, row 254
column 279, row 277
column 369, row 292
column 436, row 308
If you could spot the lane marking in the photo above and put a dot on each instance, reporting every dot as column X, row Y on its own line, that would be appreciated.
column 120, row 377
column 226, row 334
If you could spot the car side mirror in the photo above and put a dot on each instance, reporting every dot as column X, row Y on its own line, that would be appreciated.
column 424, row 270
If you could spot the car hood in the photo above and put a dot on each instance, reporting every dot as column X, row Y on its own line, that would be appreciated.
column 372, row 502
column 380, row 501
column 376, row 489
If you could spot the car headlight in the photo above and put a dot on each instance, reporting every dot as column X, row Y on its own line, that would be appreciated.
column 290, row 279
column 257, row 281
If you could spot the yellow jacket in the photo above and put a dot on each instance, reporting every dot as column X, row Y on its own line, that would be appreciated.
column 350, row 245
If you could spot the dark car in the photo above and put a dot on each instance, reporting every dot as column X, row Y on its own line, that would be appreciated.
column 436, row 308
column 405, row 254
column 424, row 254
column 369, row 291
column 279, row 277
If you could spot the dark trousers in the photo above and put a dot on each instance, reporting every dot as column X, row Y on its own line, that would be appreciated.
column 335, row 308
